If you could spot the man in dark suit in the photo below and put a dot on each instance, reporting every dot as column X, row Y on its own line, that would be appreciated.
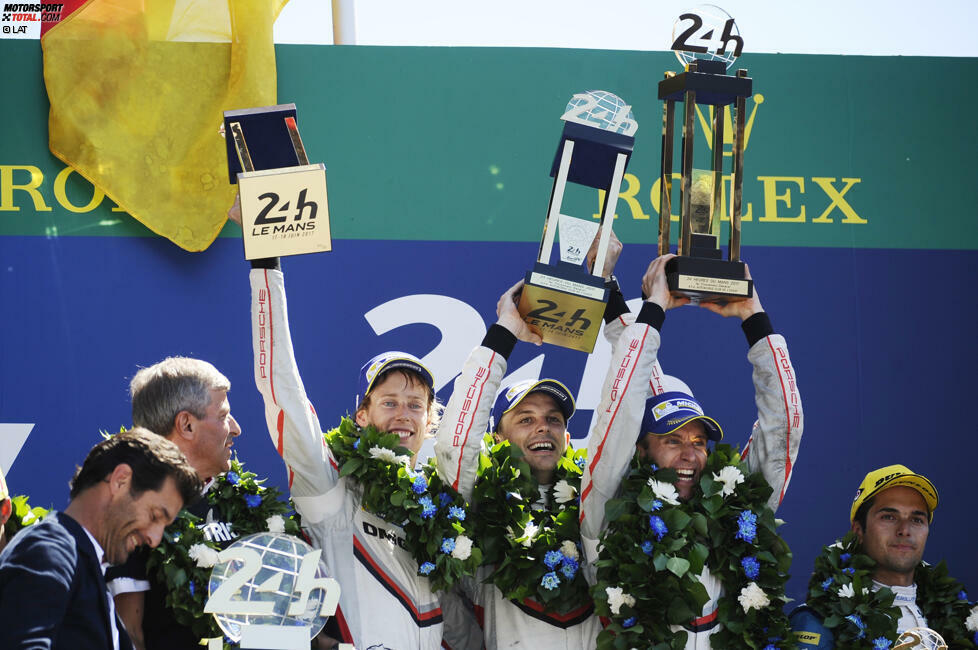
column 52, row 575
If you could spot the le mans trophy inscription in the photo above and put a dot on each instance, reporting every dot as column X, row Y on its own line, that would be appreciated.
column 563, row 302
column 271, row 591
column 284, row 209
column 707, row 42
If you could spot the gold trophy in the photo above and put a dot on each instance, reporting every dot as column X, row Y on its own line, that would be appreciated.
column 700, row 272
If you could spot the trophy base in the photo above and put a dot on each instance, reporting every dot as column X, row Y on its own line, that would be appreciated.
column 708, row 280
column 564, row 305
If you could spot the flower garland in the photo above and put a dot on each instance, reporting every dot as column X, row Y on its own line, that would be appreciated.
column 841, row 593
column 535, row 551
column 656, row 547
column 432, row 514
column 22, row 515
column 183, row 560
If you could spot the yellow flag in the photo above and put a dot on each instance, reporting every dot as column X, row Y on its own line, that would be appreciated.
column 137, row 91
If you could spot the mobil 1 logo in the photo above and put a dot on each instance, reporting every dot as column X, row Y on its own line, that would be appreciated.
column 284, row 211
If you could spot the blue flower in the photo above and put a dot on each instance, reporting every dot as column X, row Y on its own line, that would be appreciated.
column 975, row 638
column 845, row 557
column 849, row 571
column 176, row 537
column 232, row 478
column 193, row 589
column 552, row 558
column 858, row 622
column 444, row 498
column 420, row 485
column 580, row 462
column 963, row 595
column 825, row 585
column 550, row 581
column 426, row 568
column 456, row 512
column 356, row 443
column 751, row 566
column 428, row 508
column 447, row 545
column 569, row 569
column 658, row 526
column 629, row 622
column 655, row 468
column 881, row 643
column 747, row 526
column 656, row 505
column 647, row 547
column 770, row 646
column 253, row 500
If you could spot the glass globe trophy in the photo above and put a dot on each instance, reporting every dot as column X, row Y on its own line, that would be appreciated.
column 562, row 302
column 271, row 591
column 707, row 42
column 920, row 638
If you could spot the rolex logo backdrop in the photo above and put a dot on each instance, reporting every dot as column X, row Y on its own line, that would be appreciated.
column 859, row 227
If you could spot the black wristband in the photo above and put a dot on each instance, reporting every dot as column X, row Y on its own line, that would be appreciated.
column 757, row 327
column 499, row 340
column 273, row 263
column 652, row 314
column 616, row 306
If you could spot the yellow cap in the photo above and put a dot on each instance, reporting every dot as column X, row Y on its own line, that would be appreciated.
column 892, row 476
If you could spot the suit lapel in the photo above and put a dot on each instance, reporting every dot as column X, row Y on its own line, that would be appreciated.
column 87, row 555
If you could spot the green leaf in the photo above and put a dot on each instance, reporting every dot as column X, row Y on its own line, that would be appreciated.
column 350, row 465
column 677, row 565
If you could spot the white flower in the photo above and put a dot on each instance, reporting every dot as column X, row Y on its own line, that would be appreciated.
column 569, row 549
column 865, row 591
column 402, row 460
column 463, row 548
column 753, row 596
column 617, row 597
column 275, row 524
column 203, row 555
column 731, row 477
column 383, row 453
column 529, row 533
column 665, row 492
column 846, row 591
column 564, row 492
column 972, row 622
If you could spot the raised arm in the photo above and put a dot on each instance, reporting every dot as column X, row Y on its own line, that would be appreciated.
column 291, row 418
column 466, row 418
column 776, row 436
column 619, row 415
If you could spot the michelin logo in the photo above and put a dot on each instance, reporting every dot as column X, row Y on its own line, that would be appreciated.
column 666, row 408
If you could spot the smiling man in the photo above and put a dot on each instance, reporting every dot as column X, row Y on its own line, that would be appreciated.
column 184, row 400
column 52, row 585
column 670, row 429
column 384, row 601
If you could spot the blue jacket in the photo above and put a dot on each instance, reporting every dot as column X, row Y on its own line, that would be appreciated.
column 808, row 631
column 52, row 591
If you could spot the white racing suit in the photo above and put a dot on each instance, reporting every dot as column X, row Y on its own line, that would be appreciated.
column 771, row 449
column 506, row 624
column 384, row 603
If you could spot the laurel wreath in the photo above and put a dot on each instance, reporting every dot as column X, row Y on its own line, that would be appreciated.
column 534, row 550
column 240, row 498
column 655, row 548
column 841, row 593
column 437, row 530
column 22, row 515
